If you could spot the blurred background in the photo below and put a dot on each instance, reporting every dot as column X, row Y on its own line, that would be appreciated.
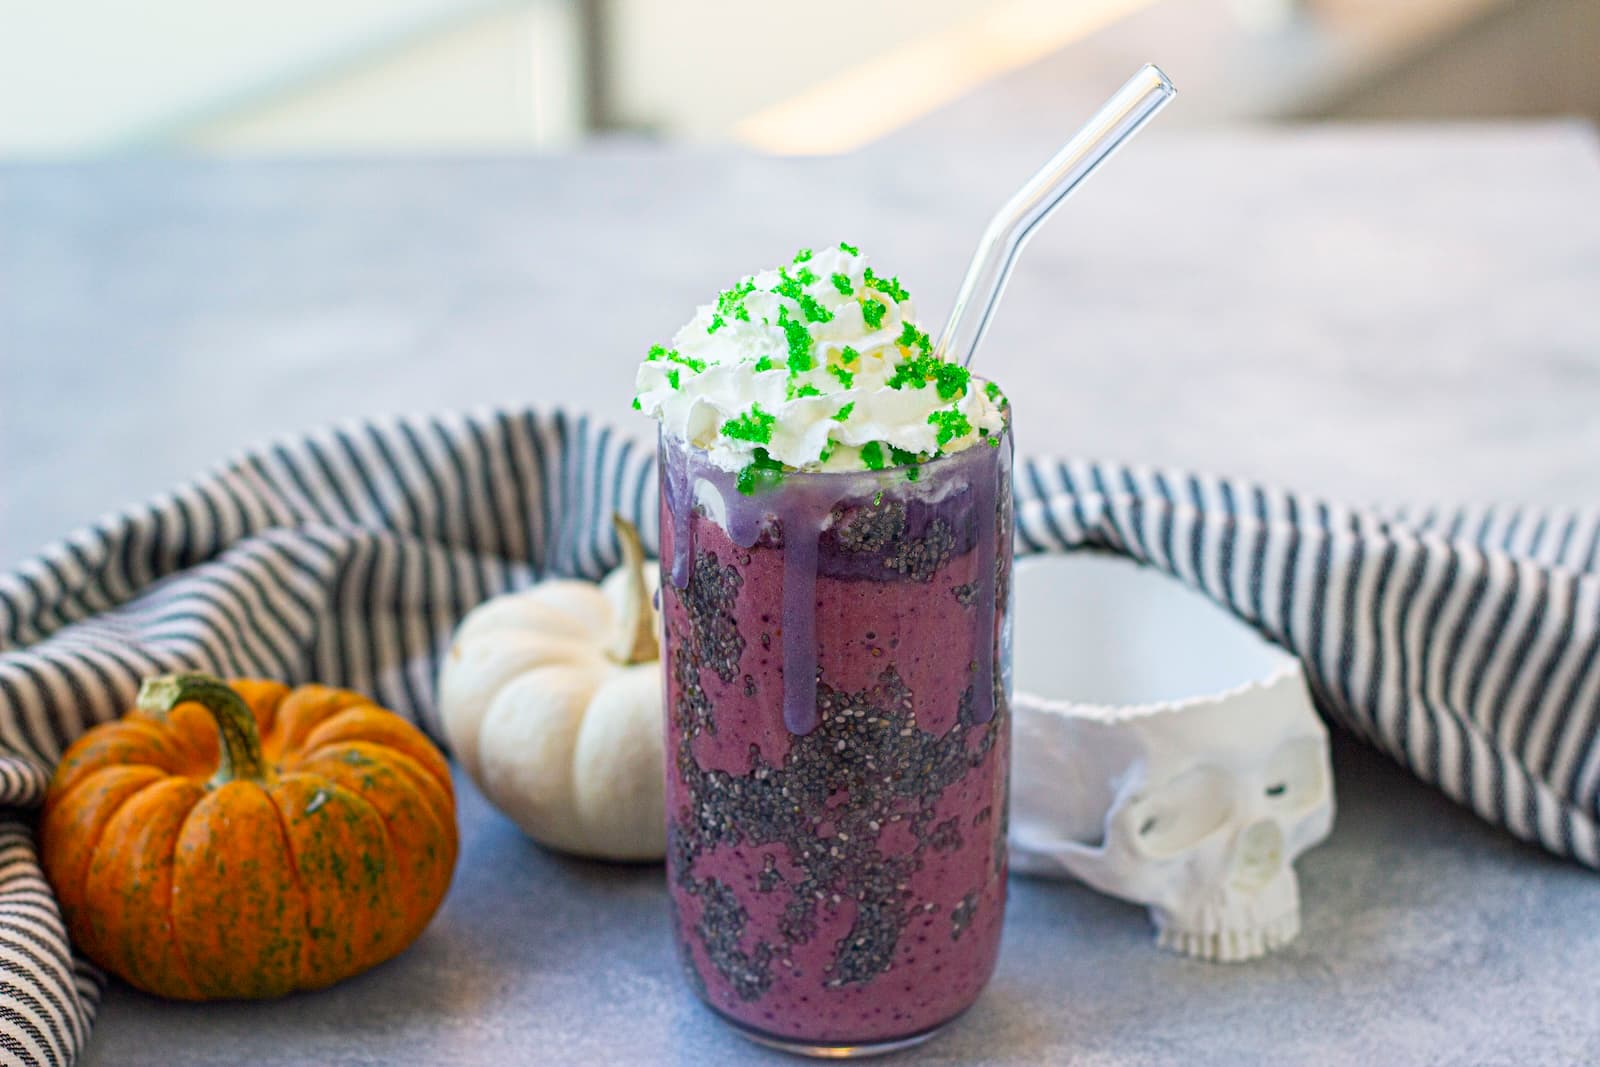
column 203, row 199
column 404, row 76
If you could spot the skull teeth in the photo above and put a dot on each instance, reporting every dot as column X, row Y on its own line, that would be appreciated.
column 1230, row 945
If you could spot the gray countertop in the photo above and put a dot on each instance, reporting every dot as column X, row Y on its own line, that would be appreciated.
column 1377, row 314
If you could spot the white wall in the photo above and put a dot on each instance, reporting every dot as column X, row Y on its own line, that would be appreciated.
column 509, row 80
column 102, row 75
column 695, row 67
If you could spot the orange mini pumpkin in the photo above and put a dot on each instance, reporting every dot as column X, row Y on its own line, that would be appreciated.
column 247, row 840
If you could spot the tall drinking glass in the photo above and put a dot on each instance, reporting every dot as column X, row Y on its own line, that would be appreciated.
column 837, row 653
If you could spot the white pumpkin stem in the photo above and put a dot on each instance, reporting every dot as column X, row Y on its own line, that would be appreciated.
column 634, row 640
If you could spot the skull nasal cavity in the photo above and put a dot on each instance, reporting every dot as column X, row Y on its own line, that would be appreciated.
column 1257, row 857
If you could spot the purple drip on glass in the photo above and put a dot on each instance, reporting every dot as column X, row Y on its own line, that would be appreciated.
column 680, row 506
column 984, row 490
column 796, row 518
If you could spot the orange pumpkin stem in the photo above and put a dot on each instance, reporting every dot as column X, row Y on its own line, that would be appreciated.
column 239, row 755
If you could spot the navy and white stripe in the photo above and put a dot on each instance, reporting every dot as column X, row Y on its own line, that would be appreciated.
column 347, row 556
column 1466, row 644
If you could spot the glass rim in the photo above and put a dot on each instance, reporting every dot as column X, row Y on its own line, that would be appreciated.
column 945, row 462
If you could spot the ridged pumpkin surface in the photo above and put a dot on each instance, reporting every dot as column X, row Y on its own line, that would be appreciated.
column 197, row 870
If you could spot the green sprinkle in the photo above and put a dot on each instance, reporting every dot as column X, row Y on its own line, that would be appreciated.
column 805, row 390
column 672, row 377
column 950, row 379
column 841, row 282
column 846, row 378
column 827, row 451
column 636, row 405
column 763, row 472
column 802, row 255
column 872, row 311
column 872, row 455
column 674, row 356
column 908, row 460
column 950, row 424
column 848, row 354
column 765, row 363
column 799, row 341
column 791, row 287
column 991, row 390
column 889, row 287
column 754, row 425
column 814, row 311
column 717, row 323
column 852, row 249
column 913, row 372
column 730, row 302
column 911, row 337
column 993, row 442
column 843, row 413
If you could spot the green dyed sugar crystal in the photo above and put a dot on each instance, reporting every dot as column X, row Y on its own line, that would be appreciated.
column 889, row 287
column 911, row 337
column 799, row 339
column 950, row 379
column 754, row 425
column 813, row 310
column 762, row 472
column 949, row 424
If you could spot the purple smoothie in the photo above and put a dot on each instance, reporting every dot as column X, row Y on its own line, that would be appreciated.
column 837, row 741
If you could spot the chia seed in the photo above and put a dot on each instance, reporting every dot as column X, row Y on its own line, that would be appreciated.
column 713, row 590
column 918, row 558
column 721, row 929
column 868, row 764
column 961, row 916
column 946, row 837
column 823, row 809
column 862, row 529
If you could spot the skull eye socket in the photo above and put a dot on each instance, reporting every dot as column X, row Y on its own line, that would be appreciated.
column 1292, row 779
column 1181, row 813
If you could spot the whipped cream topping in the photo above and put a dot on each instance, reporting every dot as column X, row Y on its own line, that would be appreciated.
column 816, row 366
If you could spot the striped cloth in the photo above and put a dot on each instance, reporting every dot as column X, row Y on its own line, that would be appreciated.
column 1462, row 644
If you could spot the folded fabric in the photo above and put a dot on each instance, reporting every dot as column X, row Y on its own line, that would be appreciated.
column 1463, row 645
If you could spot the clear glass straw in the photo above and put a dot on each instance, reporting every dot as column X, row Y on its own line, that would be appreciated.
column 1124, row 115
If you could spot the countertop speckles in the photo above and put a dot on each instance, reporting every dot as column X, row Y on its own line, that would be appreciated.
column 1378, row 314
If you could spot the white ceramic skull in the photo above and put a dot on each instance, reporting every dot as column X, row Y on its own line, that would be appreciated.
column 1163, row 753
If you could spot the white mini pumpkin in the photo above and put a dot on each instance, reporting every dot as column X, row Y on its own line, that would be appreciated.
column 551, row 700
